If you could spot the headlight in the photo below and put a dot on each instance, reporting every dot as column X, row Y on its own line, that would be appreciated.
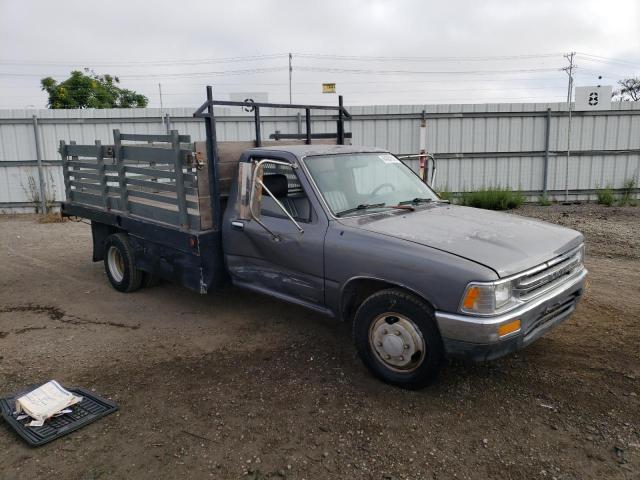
column 487, row 298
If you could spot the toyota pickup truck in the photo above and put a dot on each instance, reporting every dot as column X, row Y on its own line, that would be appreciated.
column 347, row 231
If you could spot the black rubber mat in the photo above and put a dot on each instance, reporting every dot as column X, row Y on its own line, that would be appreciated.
column 91, row 408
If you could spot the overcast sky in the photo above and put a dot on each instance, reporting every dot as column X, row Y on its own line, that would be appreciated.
column 468, row 51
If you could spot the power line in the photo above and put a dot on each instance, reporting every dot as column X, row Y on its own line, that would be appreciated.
column 598, row 58
column 148, row 80
column 425, row 59
column 348, row 92
column 454, row 95
column 308, row 68
column 251, row 58
column 429, row 90
column 250, row 71
column 418, row 83
column 311, row 56
column 379, row 82
column 254, row 58
column 613, row 75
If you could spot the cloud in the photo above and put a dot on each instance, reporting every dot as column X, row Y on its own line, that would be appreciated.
column 37, row 34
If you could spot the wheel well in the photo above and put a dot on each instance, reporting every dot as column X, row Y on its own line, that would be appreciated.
column 358, row 290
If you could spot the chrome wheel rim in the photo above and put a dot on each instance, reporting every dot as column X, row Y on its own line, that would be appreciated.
column 116, row 264
column 397, row 342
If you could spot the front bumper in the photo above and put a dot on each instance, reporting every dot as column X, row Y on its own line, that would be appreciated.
column 476, row 338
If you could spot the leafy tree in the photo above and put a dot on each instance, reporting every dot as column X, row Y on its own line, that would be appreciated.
column 88, row 90
column 629, row 91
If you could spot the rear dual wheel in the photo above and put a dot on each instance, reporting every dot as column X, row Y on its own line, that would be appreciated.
column 119, row 263
column 397, row 338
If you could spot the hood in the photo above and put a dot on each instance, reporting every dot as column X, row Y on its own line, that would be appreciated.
column 508, row 244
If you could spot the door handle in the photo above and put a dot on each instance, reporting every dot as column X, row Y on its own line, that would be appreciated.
column 237, row 225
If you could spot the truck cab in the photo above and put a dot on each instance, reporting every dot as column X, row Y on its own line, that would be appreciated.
column 353, row 233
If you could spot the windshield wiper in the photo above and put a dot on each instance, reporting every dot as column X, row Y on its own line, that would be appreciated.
column 362, row 206
column 416, row 201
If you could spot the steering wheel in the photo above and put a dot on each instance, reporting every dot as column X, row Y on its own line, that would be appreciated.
column 380, row 187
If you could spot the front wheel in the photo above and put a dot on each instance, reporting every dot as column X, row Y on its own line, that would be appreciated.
column 397, row 338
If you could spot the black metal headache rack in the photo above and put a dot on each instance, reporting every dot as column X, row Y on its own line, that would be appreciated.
column 255, row 108
column 206, row 111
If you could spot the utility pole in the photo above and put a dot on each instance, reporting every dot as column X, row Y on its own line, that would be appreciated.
column 569, row 70
column 290, row 72
column 160, row 91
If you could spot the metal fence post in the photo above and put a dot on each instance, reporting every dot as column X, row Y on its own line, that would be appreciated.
column 566, row 173
column 65, row 170
column 307, row 118
column 41, row 182
column 340, row 122
column 546, row 152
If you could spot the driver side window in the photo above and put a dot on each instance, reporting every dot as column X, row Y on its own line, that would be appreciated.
column 283, row 183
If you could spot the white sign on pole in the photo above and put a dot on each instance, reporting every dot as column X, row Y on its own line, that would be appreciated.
column 593, row 98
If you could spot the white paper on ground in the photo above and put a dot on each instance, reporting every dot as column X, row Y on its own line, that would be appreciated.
column 62, row 412
column 45, row 401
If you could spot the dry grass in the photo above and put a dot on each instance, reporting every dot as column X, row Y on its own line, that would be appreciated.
column 51, row 217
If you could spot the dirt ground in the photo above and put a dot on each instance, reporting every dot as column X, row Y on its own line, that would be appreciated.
column 236, row 385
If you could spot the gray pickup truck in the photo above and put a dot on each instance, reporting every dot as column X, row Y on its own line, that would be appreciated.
column 350, row 232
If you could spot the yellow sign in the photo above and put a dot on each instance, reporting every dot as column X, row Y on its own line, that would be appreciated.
column 328, row 88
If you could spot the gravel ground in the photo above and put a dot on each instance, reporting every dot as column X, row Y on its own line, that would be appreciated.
column 612, row 232
column 236, row 385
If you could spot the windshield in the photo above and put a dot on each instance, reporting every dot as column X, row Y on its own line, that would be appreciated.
column 352, row 183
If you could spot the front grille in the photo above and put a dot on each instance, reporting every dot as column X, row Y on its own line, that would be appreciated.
column 548, row 276
column 552, row 313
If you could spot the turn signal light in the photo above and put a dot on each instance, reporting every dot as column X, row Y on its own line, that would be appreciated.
column 470, row 298
column 507, row 328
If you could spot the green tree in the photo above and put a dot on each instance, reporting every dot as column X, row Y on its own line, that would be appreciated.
column 629, row 90
column 88, row 90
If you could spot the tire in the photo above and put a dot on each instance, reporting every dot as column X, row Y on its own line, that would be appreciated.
column 397, row 338
column 119, row 263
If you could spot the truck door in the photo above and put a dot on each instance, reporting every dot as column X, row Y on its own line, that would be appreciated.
column 290, row 266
